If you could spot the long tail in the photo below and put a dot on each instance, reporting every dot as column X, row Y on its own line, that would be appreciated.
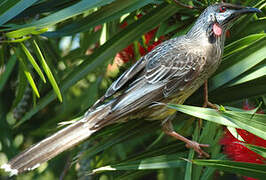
column 48, row 148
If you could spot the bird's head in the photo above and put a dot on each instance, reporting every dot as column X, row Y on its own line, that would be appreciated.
column 217, row 18
column 225, row 14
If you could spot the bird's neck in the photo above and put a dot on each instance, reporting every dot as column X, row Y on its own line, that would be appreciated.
column 209, row 43
column 207, row 35
column 211, row 31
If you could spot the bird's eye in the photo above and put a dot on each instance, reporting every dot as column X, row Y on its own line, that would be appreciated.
column 222, row 9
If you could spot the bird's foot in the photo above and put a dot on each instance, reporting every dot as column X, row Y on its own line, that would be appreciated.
column 168, row 129
column 197, row 147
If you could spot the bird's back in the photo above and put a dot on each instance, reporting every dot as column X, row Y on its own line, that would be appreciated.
column 170, row 74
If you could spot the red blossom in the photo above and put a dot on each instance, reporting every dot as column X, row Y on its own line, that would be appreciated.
column 123, row 25
column 139, row 15
column 149, row 35
column 250, row 178
column 238, row 152
column 142, row 50
column 151, row 47
column 127, row 54
column 97, row 28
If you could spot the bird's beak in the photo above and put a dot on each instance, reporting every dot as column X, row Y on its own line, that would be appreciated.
column 247, row 10
column 230, row 15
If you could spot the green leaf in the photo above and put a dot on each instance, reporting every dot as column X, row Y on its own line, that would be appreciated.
column 242, row 43
column 209, row 172
column 17, row 40
column 254, row 74
column 10, row 9
column 257, row 149
column 159, row 162
column 8, row 69
column 46, row 7
column 118, row 137
column 27, row 72
column 188, row 173
column 203, row 113
column 25, row 31
column 244, row 25
column 255, row 27
column 47, row 71
column 239, row 63
column 105, row 14
column 238, row 92
column 33, row 62
column 132, row 175
column 234, row 133
column 254, row 123
column 245, row 169
column 211, row 134
column 22, row 85
column 66, row 13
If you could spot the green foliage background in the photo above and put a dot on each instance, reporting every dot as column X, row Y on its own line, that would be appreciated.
column 48, row 75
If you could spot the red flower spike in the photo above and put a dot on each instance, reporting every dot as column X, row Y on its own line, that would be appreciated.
column 127, row 54
column 156, row 43
column 239, row 152
column 142, row 50
column 97, row 28
column 149, row 35
column 123, row 25
column 139, row 15
column 250, row 178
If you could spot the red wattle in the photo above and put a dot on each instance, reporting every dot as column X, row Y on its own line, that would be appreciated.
column 217, row 29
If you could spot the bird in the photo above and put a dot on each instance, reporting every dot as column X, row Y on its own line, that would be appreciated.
column 170, row 73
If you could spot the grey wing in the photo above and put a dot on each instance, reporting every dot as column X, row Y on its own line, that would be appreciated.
column 125, row 77
column 155, row 76
column 153, row 56
column 167, row 68
column 176, row 69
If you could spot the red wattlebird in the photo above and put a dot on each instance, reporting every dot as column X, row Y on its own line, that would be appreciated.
column 169, row 74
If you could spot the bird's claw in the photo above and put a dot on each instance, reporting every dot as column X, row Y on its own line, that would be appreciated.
column 197, row 147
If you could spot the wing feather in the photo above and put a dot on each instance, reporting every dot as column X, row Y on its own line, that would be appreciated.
column 170, row 64
column 176, row 68
column 126, row 77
